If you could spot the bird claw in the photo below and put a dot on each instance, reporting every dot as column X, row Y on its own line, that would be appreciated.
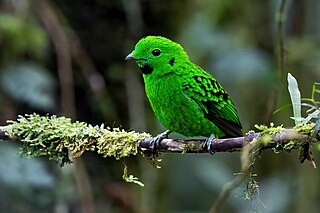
column 154, row 143
column 207, row 144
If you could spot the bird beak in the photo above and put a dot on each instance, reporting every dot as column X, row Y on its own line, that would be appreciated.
column 130, row 56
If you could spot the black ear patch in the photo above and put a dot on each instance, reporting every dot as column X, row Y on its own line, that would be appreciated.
column 146, row 69
column 171, row 62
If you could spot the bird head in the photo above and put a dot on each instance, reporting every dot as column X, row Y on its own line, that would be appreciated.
column 157, row 54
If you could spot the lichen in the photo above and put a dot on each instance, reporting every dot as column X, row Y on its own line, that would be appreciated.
column 256, row 145
column 269, row 130
column 130, row 178
column 266, row 133
column 118, row 143
column 58, row 137
column 306, row 129
column 154, row 158
column 291, row 145
column 191, row 147
column 251, row 186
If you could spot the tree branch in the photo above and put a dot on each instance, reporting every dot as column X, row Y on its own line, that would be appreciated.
column 57, row 138
column 228, row 144
column 50, row 135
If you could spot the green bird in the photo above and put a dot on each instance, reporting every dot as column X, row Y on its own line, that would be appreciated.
column 184, row 97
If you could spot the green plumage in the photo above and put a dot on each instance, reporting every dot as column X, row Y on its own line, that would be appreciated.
column 184, row 97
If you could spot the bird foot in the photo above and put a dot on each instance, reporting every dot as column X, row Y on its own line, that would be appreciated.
column 207, row 144
column 154, row 143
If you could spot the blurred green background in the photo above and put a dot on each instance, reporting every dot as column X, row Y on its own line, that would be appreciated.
column 67, row 58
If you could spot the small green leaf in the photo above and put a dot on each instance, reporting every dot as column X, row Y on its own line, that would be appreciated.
column 307, row 99
column 281, row 108
column 295, row 98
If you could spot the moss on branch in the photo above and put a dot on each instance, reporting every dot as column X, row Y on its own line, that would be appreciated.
column 57, row 138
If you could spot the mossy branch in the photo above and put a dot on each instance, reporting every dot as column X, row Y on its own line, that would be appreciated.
column 58, row 138
column 286, row 139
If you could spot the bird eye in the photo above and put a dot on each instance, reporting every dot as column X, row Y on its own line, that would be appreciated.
column 156, row 52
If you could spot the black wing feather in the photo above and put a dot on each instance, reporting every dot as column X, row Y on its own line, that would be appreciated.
column 215, row 103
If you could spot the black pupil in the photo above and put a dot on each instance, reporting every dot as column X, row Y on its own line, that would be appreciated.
column 156, row 52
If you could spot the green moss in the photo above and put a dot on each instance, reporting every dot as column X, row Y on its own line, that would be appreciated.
column 270, row 130
column 265, row 141
column 191, row 147
column 57, row 137
column 153, row 158
column 118, row 143
column 291, row 145
column 130, row 178
column 251, row 186
column 306, row 129
column 266, row 133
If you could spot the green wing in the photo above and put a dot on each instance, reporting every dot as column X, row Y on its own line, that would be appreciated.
column 215, row 103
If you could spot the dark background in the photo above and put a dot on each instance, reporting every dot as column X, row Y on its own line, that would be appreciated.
column 67, row 58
